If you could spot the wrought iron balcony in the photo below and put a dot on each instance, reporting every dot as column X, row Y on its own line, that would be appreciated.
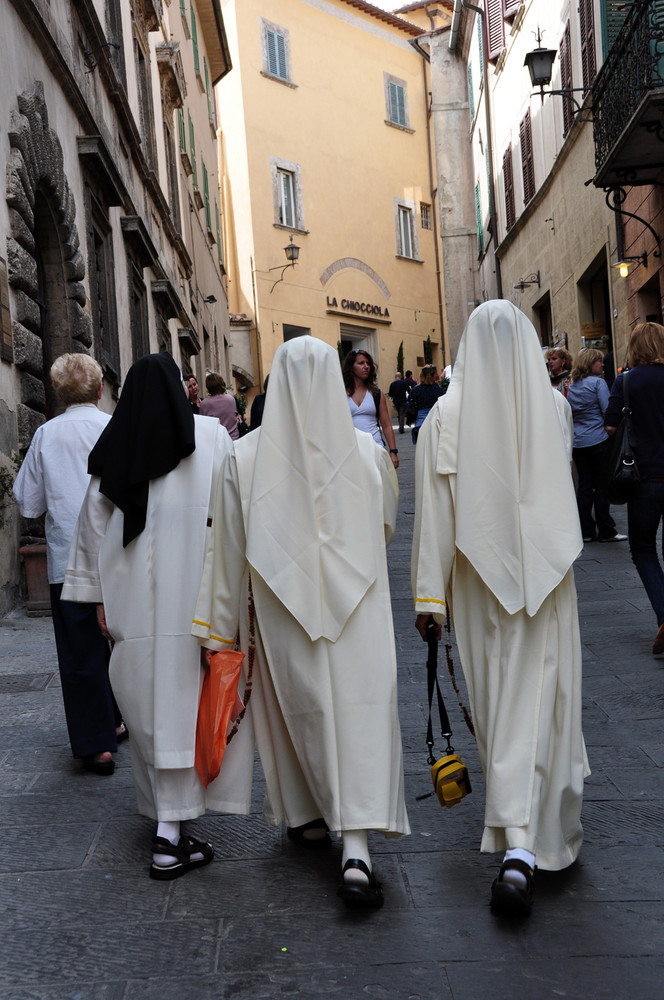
column 628, row 101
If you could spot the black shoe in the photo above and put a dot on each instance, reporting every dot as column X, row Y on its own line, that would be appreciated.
column 296, row 833
column 361, row 895
column 510, row 899
column 102, row 767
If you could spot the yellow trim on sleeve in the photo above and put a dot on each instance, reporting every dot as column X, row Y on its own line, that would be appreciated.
column 429, row 600
column 217, row 638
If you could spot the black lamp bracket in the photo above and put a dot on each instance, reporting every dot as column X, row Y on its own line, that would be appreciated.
column 615, row 198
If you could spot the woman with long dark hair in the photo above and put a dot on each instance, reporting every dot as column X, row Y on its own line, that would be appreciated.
column 368, row 406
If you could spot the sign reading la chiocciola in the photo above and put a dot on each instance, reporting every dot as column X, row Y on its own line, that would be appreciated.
column 352, row 305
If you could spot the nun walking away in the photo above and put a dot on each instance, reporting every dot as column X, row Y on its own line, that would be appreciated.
column 304, row 509
column 138, row 553
column 496, row 534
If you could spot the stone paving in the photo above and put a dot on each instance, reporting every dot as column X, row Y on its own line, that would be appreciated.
column 80, row 920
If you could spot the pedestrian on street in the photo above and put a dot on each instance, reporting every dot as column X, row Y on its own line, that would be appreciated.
column 496, row 534
column 646, row 507
column 138, row 553
column 303, row 511
column 53, row 478
column 423, row 397
column 398, row 393
column 588, row 395
column 368, row 406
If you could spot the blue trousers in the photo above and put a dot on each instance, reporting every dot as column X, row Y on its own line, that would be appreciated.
column 644, row 513
column 90, row 709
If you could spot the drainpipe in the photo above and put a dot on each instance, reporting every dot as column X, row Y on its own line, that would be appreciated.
column 456, row 20
column 434, row 196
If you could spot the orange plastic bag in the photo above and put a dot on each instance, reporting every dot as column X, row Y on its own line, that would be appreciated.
column 218, row 701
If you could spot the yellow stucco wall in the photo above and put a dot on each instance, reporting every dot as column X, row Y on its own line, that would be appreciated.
column 352, row 165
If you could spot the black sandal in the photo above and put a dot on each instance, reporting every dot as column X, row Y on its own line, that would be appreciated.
column 361, row 895
column 296, row 833
column 181, row 854
column 510, row 899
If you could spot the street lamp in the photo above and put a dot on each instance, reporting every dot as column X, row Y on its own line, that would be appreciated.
column 624, row 262
column 292, row 252
column 540, row 66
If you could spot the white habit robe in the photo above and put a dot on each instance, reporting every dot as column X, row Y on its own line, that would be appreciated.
column 501, row 558
column 325, row 712
column 149, row 590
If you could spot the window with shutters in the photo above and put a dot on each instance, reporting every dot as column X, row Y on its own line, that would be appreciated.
column 613, row 14
column 527, row 166
column 566, row 79
column 406, row 229
column 220, row 248
column 478, row 218
column 396, row 102
column 276, row 52
column 194, row 42
column 495, row 28
column 471, row 95
column 206, row 198
column 508, row 175
column 587, row 30
column 511, row 8
column 287, row 194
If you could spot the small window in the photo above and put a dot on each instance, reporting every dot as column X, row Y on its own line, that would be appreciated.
column 286, row 198
column 396, row 101
column 276, row 51
column 406, row 232
column 425, row 215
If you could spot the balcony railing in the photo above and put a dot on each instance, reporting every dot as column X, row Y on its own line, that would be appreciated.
column 628, row 101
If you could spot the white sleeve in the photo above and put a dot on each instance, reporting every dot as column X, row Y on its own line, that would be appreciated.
column 29, row 489
column 82, row 581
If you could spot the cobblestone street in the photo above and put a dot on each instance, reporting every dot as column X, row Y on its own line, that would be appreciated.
column 80, row 919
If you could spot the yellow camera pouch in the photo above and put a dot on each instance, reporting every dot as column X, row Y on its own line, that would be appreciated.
column 450, row 780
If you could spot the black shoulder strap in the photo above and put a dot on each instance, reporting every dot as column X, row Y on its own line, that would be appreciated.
column 432, row 682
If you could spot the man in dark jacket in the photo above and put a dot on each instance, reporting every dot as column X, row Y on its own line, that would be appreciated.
column 398, row 393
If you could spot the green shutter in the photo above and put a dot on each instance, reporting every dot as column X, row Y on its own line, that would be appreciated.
column 183, row 8
column 220, row 249
column 397, row 100
column 613, row 13
column 207, row 88
column 182, row 131
column 194, row 39
column 192, row 152
column 206, row 197
column 471, row 95
column 478, row 215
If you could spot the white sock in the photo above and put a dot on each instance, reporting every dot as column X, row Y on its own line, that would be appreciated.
column 356, row 845
column 513, row 876
column 170, row 831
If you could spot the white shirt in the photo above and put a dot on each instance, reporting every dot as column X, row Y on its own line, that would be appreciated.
column 54, row 477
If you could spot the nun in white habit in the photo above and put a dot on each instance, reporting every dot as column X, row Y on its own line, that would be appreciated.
column 496, row 534
column 304, row 509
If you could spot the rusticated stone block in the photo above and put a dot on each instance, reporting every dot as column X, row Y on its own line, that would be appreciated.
column 21, row 268
column 28, row 351
column 76, row 292
column 17, row 198
column 21, row 230
column 33, row 393
column 81, row 324
column 75, row 268
column 28, row 421
column 26, row 311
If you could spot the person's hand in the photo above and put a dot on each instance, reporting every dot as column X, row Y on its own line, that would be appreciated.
column 206, row 657
column 395, row 460
column 422, row 624
column 101, row 621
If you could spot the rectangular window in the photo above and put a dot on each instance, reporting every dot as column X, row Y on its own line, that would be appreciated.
column 566, row 80
column 207, row 89
column 471, row 95
column 102, row 290
column 182, row 132
column 478, row 217
column 425, row 215
column 286, row 197
column 145, row 103
column 405, row 232
column 613, row 14
column 172, row 173
column 527, row 166
column 510, row 214
column 510, row 8
column 194, row 41
column 277, row 63
column 397, row 103
column 220, row 249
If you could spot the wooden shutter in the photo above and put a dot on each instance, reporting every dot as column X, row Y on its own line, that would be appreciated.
column 527, row 170
column 526, row 136
column 510, row 214
column 510, row 8
column 587, row 28
column 495, row 28
column 614, row 13
column 276, row 54
column 478, row 217
column 566, row 79
column 397, row 103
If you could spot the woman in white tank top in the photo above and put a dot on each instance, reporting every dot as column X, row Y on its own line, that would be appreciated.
column 368, row 406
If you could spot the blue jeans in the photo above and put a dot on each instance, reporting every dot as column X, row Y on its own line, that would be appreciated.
column 644, row 513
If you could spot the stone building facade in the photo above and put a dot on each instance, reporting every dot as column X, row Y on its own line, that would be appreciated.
column 110, row 227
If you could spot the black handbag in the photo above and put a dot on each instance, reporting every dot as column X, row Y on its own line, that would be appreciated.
column 623, row 472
